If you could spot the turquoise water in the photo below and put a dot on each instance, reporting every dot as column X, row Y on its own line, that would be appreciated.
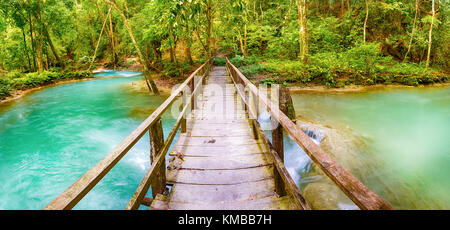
column 396, row 141
column 49, row 138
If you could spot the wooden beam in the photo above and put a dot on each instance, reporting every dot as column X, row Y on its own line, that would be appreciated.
column 362, row 196
column 147, row 201
column 156, row 145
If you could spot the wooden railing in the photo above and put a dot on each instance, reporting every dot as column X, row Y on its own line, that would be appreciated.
column 362, row 196
column 155, row 177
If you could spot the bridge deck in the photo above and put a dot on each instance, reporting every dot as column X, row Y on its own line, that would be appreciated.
column 217, row 163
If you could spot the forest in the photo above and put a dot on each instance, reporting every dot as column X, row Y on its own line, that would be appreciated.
column 331, row 43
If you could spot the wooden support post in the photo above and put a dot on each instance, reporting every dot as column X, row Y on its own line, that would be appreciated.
column 192, row 86
column 277, row 136
column 277, row 129
column 156, row 145
column 286, row 105
column 183, row 120
column 254, row 119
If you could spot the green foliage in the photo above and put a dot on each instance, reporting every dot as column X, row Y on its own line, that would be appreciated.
column 5, row 88
column 220, row 61
column 20, row 81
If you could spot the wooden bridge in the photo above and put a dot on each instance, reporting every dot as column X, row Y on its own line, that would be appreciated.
column 222, row 159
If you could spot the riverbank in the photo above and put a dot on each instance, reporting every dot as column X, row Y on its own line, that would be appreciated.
column 337, row 74
column 360, row 88
column 16, row 84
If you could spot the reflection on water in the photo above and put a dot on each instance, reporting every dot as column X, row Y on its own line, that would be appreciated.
column 395, row 141
column 49, row 138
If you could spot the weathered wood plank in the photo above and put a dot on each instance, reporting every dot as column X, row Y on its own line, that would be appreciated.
column 221, row 193
column 224, row 162
column 269, row 203
column 213, row 141
column 219, row 177
column 212, row 151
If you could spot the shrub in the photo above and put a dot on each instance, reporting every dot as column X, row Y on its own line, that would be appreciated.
column 253, row 70
column 5, row 88
column 220, row 61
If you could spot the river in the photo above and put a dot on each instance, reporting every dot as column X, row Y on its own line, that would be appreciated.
column 49, row 138
column 394, row 140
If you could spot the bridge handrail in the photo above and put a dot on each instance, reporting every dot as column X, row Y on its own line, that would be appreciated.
column 72, row 195
column 144, row 186
column 286, row 178
column 361, row 195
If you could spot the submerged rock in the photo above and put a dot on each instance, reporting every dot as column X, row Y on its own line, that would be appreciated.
column 322, row 196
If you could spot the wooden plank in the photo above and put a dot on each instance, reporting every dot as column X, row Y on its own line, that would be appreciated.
column 221, row 193
column 265, row 203
column 161, row 202
column 147, row 201
column 219, row 177
column 362, row 196
column 213, row 141
column 213, row 151
column 224, row 162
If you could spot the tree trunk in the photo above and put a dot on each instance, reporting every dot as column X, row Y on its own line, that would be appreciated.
column 245, row 40
column 172, row 56
column 150, row 83
column 54, row 51
column 366, row 19
column 156, row 45
column 305, row 34
column 113, row 44
column 430, row 36
column 413, row 31
column 241, row 43
column 33, row 44
column 78, row 31
column 26, row 48
column 209, row 16
column 302, row 20
column 99, row 38
column 189, row 44
column 189, row 55
column 300, row 27
column 39, row 43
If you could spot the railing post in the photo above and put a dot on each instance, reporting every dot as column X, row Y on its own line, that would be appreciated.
column 183, row 120
column 277, row 133
column 192, row 86
column 156, row 145
column 254, row 107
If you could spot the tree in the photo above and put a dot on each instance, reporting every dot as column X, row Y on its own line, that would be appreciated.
column 302, row 19
column 150, row 83
column 209, row 16
column 433, row 12
column 365, row 20
column 413, row 30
